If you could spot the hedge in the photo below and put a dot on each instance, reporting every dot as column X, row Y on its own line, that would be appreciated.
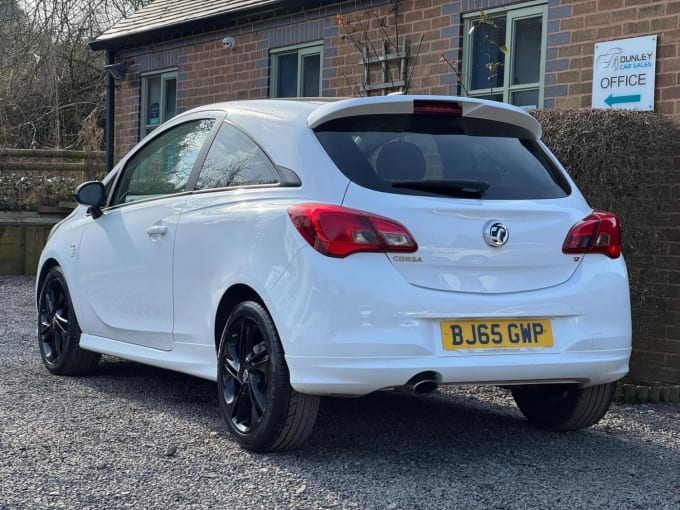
column 628, row 162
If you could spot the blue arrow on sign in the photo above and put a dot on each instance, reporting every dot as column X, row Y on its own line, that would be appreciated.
column 612, row 99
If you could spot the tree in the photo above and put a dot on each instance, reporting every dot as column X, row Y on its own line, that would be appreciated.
column 50, row 81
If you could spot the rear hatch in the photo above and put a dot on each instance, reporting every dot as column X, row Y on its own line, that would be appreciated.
column 487, row 206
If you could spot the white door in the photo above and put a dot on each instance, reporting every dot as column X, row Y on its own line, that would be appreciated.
column 125, row 256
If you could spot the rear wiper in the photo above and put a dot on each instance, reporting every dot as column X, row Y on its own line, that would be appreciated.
column 459, row 188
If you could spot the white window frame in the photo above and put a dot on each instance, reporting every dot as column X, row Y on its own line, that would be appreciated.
column 302, row 50
column 512, row 14
column 165, row 75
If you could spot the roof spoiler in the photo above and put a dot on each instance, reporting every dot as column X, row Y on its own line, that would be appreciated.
column 385, row 105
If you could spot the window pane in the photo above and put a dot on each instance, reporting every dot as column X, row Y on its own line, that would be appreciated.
column 286, row 85
column 527, row 98
column 311, row 68
column 153, row 103
column 488, row 62
column 164, row 164
column 426, row 155
column 170, row 98
column 526, row 58
column 235, row 160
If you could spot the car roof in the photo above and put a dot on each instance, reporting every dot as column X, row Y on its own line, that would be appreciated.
column 315, row 111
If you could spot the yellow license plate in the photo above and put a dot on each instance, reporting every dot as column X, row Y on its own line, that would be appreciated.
column 496, row 334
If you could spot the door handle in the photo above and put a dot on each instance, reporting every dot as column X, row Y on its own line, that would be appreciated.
column 156, row 231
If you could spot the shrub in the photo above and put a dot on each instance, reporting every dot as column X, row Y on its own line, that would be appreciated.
column 29, row 190
column 623, row 161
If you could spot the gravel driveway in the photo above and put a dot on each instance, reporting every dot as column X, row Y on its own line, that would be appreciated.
column 140, row 437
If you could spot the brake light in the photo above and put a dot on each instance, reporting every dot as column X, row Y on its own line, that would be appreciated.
column 600, row 232
column 424, row 107
column 338, row 231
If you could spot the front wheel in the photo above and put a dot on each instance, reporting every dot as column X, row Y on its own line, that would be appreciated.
column 58, row 329
column 262, row 411
column 563, row 407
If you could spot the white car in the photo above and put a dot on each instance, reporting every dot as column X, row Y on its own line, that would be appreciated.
column 290, row 249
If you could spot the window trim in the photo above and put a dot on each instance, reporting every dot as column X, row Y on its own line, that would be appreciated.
column 512, row 14
column 302, row 50
column 165, row 75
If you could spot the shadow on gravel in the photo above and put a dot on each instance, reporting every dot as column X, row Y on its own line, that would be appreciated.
column 422, row 451
column 444, row 423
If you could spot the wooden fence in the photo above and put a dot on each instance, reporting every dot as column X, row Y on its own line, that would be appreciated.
column 36, row 191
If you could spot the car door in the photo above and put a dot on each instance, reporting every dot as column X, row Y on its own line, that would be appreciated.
column 125, row 256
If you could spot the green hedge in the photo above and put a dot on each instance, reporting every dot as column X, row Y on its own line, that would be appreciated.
column 26, row 191
column 623, row 161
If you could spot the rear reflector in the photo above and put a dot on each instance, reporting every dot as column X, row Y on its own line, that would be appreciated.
column 424, row 107
column 338, row 231
column 600, row 232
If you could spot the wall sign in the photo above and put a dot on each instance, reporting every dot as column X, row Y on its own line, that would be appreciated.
column 623, row 74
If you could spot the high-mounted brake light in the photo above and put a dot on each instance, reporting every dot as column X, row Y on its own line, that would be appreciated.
column 600, row 232
column 424, row 107
column 338, row 231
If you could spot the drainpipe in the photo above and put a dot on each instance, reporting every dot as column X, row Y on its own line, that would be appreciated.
column 110, row 110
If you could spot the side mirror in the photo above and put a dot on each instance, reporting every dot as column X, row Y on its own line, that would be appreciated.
column 91, row 193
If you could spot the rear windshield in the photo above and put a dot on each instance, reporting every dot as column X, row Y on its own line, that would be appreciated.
column 446, row 156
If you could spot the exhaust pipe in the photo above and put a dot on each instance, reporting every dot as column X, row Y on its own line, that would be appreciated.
column 424, row 382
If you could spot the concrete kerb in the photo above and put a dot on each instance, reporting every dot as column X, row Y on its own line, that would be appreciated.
column 627, row 392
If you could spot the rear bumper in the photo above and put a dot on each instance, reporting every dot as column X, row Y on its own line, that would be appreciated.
column 353, row 328
column 359, row 376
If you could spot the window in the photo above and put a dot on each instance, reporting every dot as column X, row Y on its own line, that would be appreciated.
column 458, row 157
column 159, row 99
column 504, row 55
column 296, row 71
column 235, row 160
column 164, row 165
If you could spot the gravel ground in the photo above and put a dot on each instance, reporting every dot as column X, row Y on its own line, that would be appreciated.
column 135, row 436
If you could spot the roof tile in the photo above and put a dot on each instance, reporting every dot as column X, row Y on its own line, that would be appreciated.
column 161, row 14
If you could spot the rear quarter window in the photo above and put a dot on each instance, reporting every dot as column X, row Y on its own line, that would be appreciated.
column 435, row 155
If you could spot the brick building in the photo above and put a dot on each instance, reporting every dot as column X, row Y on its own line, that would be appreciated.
column 181, row 53
column 176, row 54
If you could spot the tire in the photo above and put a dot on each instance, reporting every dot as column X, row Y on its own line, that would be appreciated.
column 562, row 407
column 58, row 329
column 262, row 412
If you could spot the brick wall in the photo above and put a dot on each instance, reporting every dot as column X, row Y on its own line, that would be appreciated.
column 430, row 28
column 575, row 27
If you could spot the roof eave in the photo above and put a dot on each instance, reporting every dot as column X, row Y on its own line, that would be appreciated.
column 159, row 33
column 156, row 34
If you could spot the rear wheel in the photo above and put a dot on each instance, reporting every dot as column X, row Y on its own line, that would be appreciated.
column 262, row 411
column 58, row 329
column 563, row 407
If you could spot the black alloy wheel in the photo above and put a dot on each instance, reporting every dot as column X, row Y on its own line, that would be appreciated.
column 262, row 412
column 54, row 322
column 58, row 329
column 245, row 375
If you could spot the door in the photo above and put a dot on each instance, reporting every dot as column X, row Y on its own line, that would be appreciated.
column 125, row 256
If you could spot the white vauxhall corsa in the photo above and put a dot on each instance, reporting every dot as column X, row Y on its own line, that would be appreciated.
column 292, row 249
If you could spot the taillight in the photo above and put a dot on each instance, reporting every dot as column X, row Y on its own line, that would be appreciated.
column 338, row 231
column 600, row 232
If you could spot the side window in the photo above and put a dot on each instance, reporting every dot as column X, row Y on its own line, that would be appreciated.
column 235, row 160
column 163, row 166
